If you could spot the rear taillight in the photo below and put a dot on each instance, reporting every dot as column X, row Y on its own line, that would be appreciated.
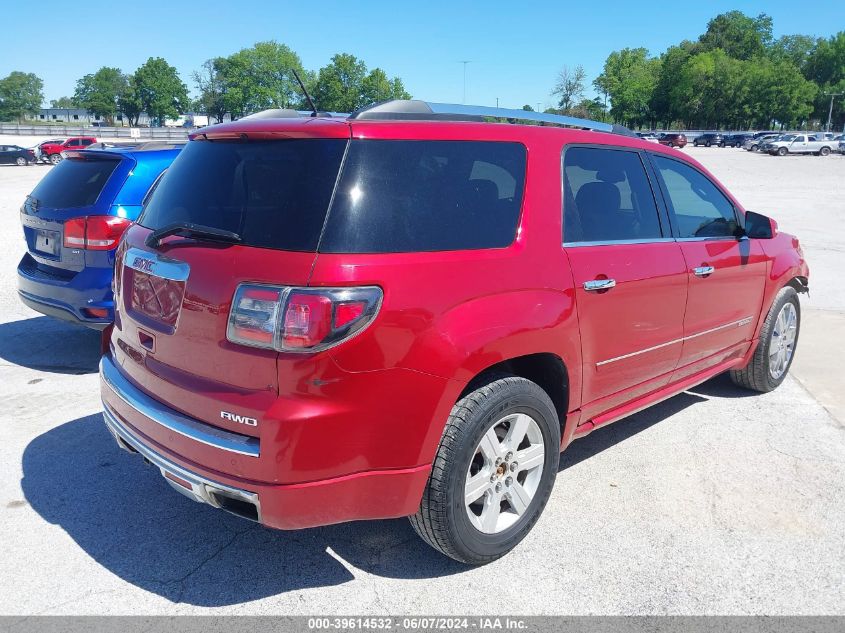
column 94, row 232
column 300, row 319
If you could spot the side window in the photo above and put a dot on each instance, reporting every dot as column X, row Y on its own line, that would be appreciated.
column 700, row 209
column 607, row 197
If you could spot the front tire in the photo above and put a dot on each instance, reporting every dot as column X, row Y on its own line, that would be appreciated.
column 493, row 472
column 782, row 151
column 776, row 347
column 824, row 151
column 55, row 158
column 21, row 161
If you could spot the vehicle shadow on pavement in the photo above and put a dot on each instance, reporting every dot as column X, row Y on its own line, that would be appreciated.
column 50, row 345
column 608, row 436
column 126, row 517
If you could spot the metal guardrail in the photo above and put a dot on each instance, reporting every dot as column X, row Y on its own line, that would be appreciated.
column 154, row 133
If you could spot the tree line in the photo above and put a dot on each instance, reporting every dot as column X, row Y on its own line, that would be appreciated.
column 735, row 76
column 250, row 80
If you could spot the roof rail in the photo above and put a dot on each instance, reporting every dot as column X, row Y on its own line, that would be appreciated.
column 288, row 113
column 414, row 109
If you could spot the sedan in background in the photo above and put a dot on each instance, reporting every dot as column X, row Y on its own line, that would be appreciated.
column 16, row 155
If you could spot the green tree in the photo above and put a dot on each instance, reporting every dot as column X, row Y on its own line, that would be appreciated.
column 665, row 108
column 570, row 86
column 129, row 102
column 99, row 92
column 340, row 84
column 629, row 78
column 212, row 89
column 63, row 102
column 739, row 35
column 377, row 87
column 260, row 78
column 793, row 48
column 826, row 67
column 160, row 90
column 20, row 94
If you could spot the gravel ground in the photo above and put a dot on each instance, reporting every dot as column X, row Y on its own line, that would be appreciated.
column 714, row 502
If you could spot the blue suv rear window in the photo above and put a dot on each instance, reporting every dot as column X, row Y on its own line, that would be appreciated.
column 74, row 183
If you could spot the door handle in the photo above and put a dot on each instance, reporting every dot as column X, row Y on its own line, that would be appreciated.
column 599, row 284
column 703, row 271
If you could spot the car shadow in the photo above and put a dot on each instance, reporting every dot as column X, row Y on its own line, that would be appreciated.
column 50, row 345
column 124, row 515
column 619, row 431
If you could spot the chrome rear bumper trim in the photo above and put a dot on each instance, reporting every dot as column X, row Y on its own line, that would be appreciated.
column 173, row 420
column 202, row 489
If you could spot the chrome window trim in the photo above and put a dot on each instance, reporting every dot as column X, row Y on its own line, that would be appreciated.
column 202, row 488
column 738, row 323
column 657, row 240
column 161, row 267
column 173, row 420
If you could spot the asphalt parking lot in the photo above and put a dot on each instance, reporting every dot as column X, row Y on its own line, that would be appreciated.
column 717, row 501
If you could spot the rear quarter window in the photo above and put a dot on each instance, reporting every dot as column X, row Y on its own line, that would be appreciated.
column 414, row 196
column 74, row 183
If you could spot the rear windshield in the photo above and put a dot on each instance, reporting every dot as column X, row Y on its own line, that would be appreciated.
column 393, row 196
column 274, row 194
column 74, row 183
column 405, row 196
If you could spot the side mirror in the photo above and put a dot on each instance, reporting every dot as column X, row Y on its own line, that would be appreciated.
column 759, row 226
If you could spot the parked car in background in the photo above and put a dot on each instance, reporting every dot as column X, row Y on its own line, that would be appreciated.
column 53, row 151
column 648, row 136
column 800, row 144
column 841, row 148
column 297, row 343
column 72, row 222
column 756, row 143
column 16, row 155
column 708, row 139
column 673, row 139
column 39, row 149
column 736, row 140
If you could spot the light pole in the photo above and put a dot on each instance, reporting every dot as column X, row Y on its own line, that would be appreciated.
column 830, row 111
column 465, row 62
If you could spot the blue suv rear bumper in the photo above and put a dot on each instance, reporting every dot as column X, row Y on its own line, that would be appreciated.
column 67, row 295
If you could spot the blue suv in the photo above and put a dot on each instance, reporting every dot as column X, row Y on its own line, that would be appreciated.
column 73, row 221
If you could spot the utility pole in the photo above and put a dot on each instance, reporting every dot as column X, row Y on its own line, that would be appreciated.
column 465, row 62
column 830, row 111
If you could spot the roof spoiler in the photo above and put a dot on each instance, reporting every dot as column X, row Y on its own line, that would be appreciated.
column 416, row 110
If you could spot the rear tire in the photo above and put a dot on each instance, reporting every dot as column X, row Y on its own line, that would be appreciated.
column 489, row 432
column 21, row 161
column 55, row 158
column 776, row 348
column 824, row 151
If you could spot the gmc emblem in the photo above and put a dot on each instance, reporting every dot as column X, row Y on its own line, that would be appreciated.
column 240, row 419
column 143, row 264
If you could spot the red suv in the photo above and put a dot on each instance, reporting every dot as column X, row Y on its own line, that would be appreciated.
column 52, row 151
column 412, row 311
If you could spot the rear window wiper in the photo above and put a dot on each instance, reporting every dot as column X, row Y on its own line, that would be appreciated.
column 197, row 231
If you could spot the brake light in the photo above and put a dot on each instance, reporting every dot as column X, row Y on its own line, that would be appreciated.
column 94, row 232
column 300, row 319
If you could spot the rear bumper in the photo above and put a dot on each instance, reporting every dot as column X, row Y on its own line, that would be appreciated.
column 373, row 494
column 66, row 298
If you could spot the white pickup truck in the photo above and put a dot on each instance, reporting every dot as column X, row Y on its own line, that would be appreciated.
column 801, row 144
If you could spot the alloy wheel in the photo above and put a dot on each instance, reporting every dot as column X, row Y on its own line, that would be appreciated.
column 782, row 343
column 504, row 473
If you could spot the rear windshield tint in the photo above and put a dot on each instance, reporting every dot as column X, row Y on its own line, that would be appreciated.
column 405, row 196
column 74, row 183
column 274, row 194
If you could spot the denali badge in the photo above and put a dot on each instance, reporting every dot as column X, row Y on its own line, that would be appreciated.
column 240, row 419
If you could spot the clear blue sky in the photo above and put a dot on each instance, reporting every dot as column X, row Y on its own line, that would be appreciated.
column 515, row 49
